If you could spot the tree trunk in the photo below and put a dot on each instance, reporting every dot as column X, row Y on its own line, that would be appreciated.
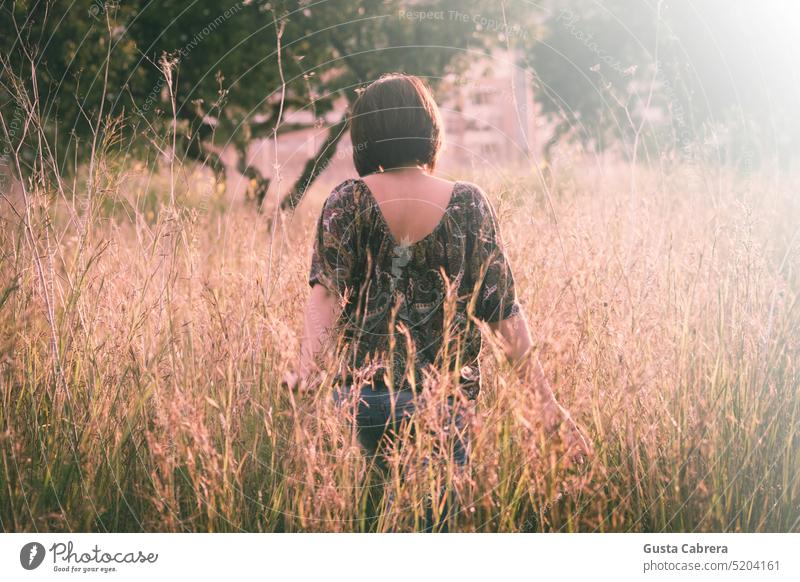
column 315, row 166
column 253, row 173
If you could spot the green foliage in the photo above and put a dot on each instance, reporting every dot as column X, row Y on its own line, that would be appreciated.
column 585, row 65
column 223, row 58
column 673, row 75
column 610, row 73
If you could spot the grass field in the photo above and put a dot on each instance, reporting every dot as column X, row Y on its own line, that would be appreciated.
column 142, row 343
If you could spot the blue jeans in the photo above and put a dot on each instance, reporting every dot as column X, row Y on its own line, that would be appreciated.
column 378, row 423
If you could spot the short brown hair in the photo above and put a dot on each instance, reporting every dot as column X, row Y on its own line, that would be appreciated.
column 395, row 123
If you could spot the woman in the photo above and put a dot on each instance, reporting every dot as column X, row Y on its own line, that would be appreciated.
column 405, row 267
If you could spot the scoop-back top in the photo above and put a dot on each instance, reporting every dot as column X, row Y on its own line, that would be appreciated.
column 411, row 309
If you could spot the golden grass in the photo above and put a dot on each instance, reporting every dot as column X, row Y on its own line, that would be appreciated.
column 140, row 367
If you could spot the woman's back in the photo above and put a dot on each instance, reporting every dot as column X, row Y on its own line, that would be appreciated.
column 412, row 202
column 415, row 262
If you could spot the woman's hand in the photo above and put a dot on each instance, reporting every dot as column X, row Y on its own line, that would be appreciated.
column 291, row 380
column 296, row 382
column 517, row 344
column 577, row 446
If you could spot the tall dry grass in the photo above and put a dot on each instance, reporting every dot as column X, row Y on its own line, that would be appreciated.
column 142, row 347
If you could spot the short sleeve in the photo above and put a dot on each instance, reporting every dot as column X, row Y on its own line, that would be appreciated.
column 332, row 257
column 494, row 281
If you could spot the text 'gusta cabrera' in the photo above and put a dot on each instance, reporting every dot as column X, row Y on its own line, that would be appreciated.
column 684, row 549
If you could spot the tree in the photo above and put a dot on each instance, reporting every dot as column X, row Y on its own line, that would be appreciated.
column 591, row 68
column 670, row 75
column 209, row 69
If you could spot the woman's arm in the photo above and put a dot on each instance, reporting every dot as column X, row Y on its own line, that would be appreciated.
column 320, row 315
column 517, row 345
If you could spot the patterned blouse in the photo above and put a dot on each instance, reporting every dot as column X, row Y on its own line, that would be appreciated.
column 409, row 310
